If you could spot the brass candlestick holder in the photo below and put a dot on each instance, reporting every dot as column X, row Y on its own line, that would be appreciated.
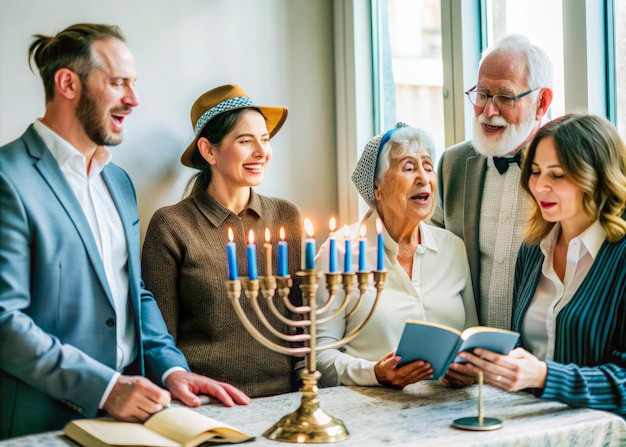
column 478, row 423
column 309, row 423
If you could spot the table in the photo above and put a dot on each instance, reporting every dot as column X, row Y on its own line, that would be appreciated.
column 420, row 414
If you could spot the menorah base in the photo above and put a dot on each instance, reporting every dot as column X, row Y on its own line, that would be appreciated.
column 309, row 424
column 303, row 427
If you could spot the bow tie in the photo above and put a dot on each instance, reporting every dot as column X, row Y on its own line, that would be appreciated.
column 502, row 163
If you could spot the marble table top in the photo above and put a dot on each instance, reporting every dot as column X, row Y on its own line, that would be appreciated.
column 421, row 414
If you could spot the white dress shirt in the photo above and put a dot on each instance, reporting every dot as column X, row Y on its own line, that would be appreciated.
column 552, row 294
column 440, row 290
column 502, row 220
column 101, row 213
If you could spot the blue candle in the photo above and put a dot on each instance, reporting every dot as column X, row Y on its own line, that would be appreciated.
column 362, row 249
column 381, row 248
column 231, row 251
column 282, row 255
column 251, row 250
column 347, row 257
column 309, row 254
column 332, row 260
column 309, row 246
column 332, row 249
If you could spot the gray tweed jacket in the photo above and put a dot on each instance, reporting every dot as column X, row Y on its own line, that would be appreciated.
column 460, row 180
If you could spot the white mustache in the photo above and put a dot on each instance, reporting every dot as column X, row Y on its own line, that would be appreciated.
column 494, row 121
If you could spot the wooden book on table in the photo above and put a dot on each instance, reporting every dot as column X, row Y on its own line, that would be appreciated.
column 439, row 344
column 172, row 427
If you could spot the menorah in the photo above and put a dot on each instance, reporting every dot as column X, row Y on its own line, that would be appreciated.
column 309, row 423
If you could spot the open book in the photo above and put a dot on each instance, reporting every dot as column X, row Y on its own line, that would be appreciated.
column 172, row 427
column 439, row 344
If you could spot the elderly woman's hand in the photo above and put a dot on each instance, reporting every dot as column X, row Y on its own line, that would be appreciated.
column 455, row 379
column 388, row 374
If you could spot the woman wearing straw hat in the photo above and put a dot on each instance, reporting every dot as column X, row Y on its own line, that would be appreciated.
column 184, row 257
column 427, row 269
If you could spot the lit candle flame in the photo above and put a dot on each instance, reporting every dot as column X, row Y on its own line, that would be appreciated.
column 231, row 236
column 267, row 235
column 332, row 224
column 362, row 231
column 282, row 234
column 346, row 232
column 379, row 226
column 251, row 236
column 308, row 227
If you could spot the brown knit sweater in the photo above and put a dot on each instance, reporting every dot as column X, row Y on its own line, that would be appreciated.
column 184, row 264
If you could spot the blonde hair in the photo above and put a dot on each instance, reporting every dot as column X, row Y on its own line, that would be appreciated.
column 593, row 157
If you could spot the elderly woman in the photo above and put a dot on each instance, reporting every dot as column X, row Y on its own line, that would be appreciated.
column 428, row 274
column 569, row 296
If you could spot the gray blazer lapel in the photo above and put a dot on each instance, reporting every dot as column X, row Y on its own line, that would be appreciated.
column 52, row 174
column 474, row 181
column 475, row 169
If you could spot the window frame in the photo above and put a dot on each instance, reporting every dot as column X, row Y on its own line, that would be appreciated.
column 588, row 63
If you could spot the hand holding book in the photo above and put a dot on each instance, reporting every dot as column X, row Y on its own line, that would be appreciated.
column 439, row 344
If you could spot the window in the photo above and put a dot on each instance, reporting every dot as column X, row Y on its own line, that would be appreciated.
column 410, row 66
column 620, row 64
column 409, row 61
column 425, row 53
column 544, row 29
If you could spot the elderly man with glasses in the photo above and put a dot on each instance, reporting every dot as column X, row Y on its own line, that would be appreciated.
column 479, row 196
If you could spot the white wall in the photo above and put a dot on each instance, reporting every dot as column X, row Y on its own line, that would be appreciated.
column 279, row 51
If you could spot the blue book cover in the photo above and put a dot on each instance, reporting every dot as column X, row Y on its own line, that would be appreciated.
column 439, row 344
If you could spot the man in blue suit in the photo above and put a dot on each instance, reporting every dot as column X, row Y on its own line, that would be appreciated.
column 79, row 334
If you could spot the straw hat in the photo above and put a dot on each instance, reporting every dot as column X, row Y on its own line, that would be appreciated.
column 222, row 99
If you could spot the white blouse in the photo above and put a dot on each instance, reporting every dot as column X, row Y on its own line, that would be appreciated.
column 552, row 294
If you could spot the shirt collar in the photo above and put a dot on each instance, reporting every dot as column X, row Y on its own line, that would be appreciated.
column 218, row 213
column 592, row 238
column 428, row 240
column 64, row 153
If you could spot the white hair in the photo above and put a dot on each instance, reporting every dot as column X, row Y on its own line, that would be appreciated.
column 405, row 140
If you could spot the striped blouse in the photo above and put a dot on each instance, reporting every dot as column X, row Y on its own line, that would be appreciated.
column 589, row 366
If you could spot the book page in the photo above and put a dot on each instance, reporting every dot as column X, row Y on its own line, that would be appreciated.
column 438, row 325
column 190, row 428
column 496, row 340
column 112, row 432
column 470, row 331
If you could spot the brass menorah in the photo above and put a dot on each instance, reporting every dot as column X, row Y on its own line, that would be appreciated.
column 309, row 423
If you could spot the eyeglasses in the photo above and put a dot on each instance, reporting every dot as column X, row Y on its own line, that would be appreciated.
column 502, row 102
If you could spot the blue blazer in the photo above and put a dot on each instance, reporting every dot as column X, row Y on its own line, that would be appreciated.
column 57, row 320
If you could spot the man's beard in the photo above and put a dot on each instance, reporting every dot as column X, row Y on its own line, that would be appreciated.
column 512, row 138
column 90, row 116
